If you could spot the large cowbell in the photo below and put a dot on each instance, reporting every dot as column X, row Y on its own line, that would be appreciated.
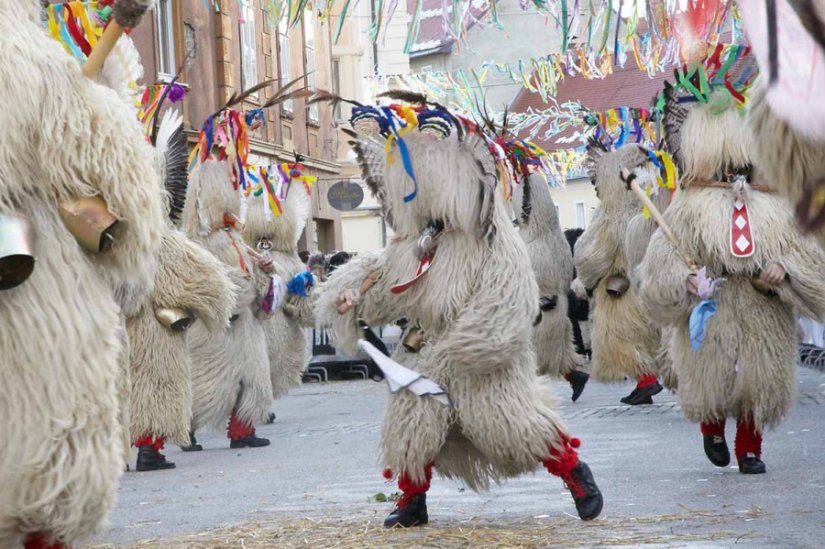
column 16, row 250
column 90, row 222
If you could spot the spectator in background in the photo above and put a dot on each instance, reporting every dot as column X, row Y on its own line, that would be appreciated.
column 304, row 255
column 317, row 264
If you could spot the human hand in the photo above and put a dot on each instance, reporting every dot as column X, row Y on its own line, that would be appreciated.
column 347, row 299
column 693, row 284
column 266, row 265
column 773, row 275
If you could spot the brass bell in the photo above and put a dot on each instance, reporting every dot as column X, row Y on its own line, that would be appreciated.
column 413, row 339
column 90, row 222
column 617, row 285
column 173, row 318
column 17, row 236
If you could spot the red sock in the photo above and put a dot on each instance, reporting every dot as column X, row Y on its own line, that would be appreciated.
column 39, row 541
column 747, row 439
column 238, row 429
column 409, row 488
column 646, row 380
column 713, row 429
column 563, row 461
column 149, row 440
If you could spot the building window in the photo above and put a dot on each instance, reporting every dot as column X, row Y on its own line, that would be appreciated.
column 249, row 53
column 283, row 59
column 309, row 49
column 581, row 221
column 165, row 40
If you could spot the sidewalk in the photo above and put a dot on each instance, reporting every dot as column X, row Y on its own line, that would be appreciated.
column 312, row 486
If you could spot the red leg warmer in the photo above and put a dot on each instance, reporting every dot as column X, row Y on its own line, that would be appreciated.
column 713, row 429
column 747, row 439
column 409, row 488
column 149, row 440
column 646, row 380
column 563, row 461
column 238, row 429
column 566, row 376
column 40, row 541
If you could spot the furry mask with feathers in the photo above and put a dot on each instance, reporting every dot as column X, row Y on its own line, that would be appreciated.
column 455, row 176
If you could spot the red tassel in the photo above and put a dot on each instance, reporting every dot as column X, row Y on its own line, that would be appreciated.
column 563, row 461
column 387, row 473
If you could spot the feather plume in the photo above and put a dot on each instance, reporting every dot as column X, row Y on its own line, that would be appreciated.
column 325, row 96
column 406, row 96
column 174, row 149
column 123, row 68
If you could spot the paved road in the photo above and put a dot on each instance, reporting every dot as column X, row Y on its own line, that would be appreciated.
column 659, row 488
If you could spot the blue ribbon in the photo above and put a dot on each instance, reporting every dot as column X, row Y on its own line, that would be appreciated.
column 405, row 155
column 698, row 322
column 299, row 283
column 64, row 32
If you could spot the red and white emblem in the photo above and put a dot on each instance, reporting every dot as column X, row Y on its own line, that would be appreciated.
column 741, row 237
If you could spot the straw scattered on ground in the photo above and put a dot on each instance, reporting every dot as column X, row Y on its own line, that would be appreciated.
column 673, row 529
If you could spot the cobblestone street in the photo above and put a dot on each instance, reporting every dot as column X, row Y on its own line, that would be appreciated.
column 315, row 485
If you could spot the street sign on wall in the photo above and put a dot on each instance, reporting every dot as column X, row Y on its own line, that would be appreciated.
column 345, row 195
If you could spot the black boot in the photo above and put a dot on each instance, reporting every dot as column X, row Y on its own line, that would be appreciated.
column 749, row 464
column 578, row 380
column 271, row 418
column 252, row 441
column 586, row 494
column 643, row 395
column 411, row 511
column 150, row 459
column 193, row 444
column 717, row 450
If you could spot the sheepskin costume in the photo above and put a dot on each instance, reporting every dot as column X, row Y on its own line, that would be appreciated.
column 552, row 263
column 745, row 368
column 474, row 309
column 286, row 344
column 230, row 371
column 190, row 284
column 62, row 340
column 787, row 115
column 625, row 342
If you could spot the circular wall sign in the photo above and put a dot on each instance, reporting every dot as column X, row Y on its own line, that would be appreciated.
column 345, row 195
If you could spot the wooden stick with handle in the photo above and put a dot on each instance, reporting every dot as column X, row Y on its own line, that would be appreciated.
column 630, row 180
column 126, row 14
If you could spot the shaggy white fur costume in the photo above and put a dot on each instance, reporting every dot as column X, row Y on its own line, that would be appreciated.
column 230, row 370
column 61, row 339
column 553, row 266
column 476, row 306
column 625, row 342
column 746, row 366
column 191, row 279
column 286, row 344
